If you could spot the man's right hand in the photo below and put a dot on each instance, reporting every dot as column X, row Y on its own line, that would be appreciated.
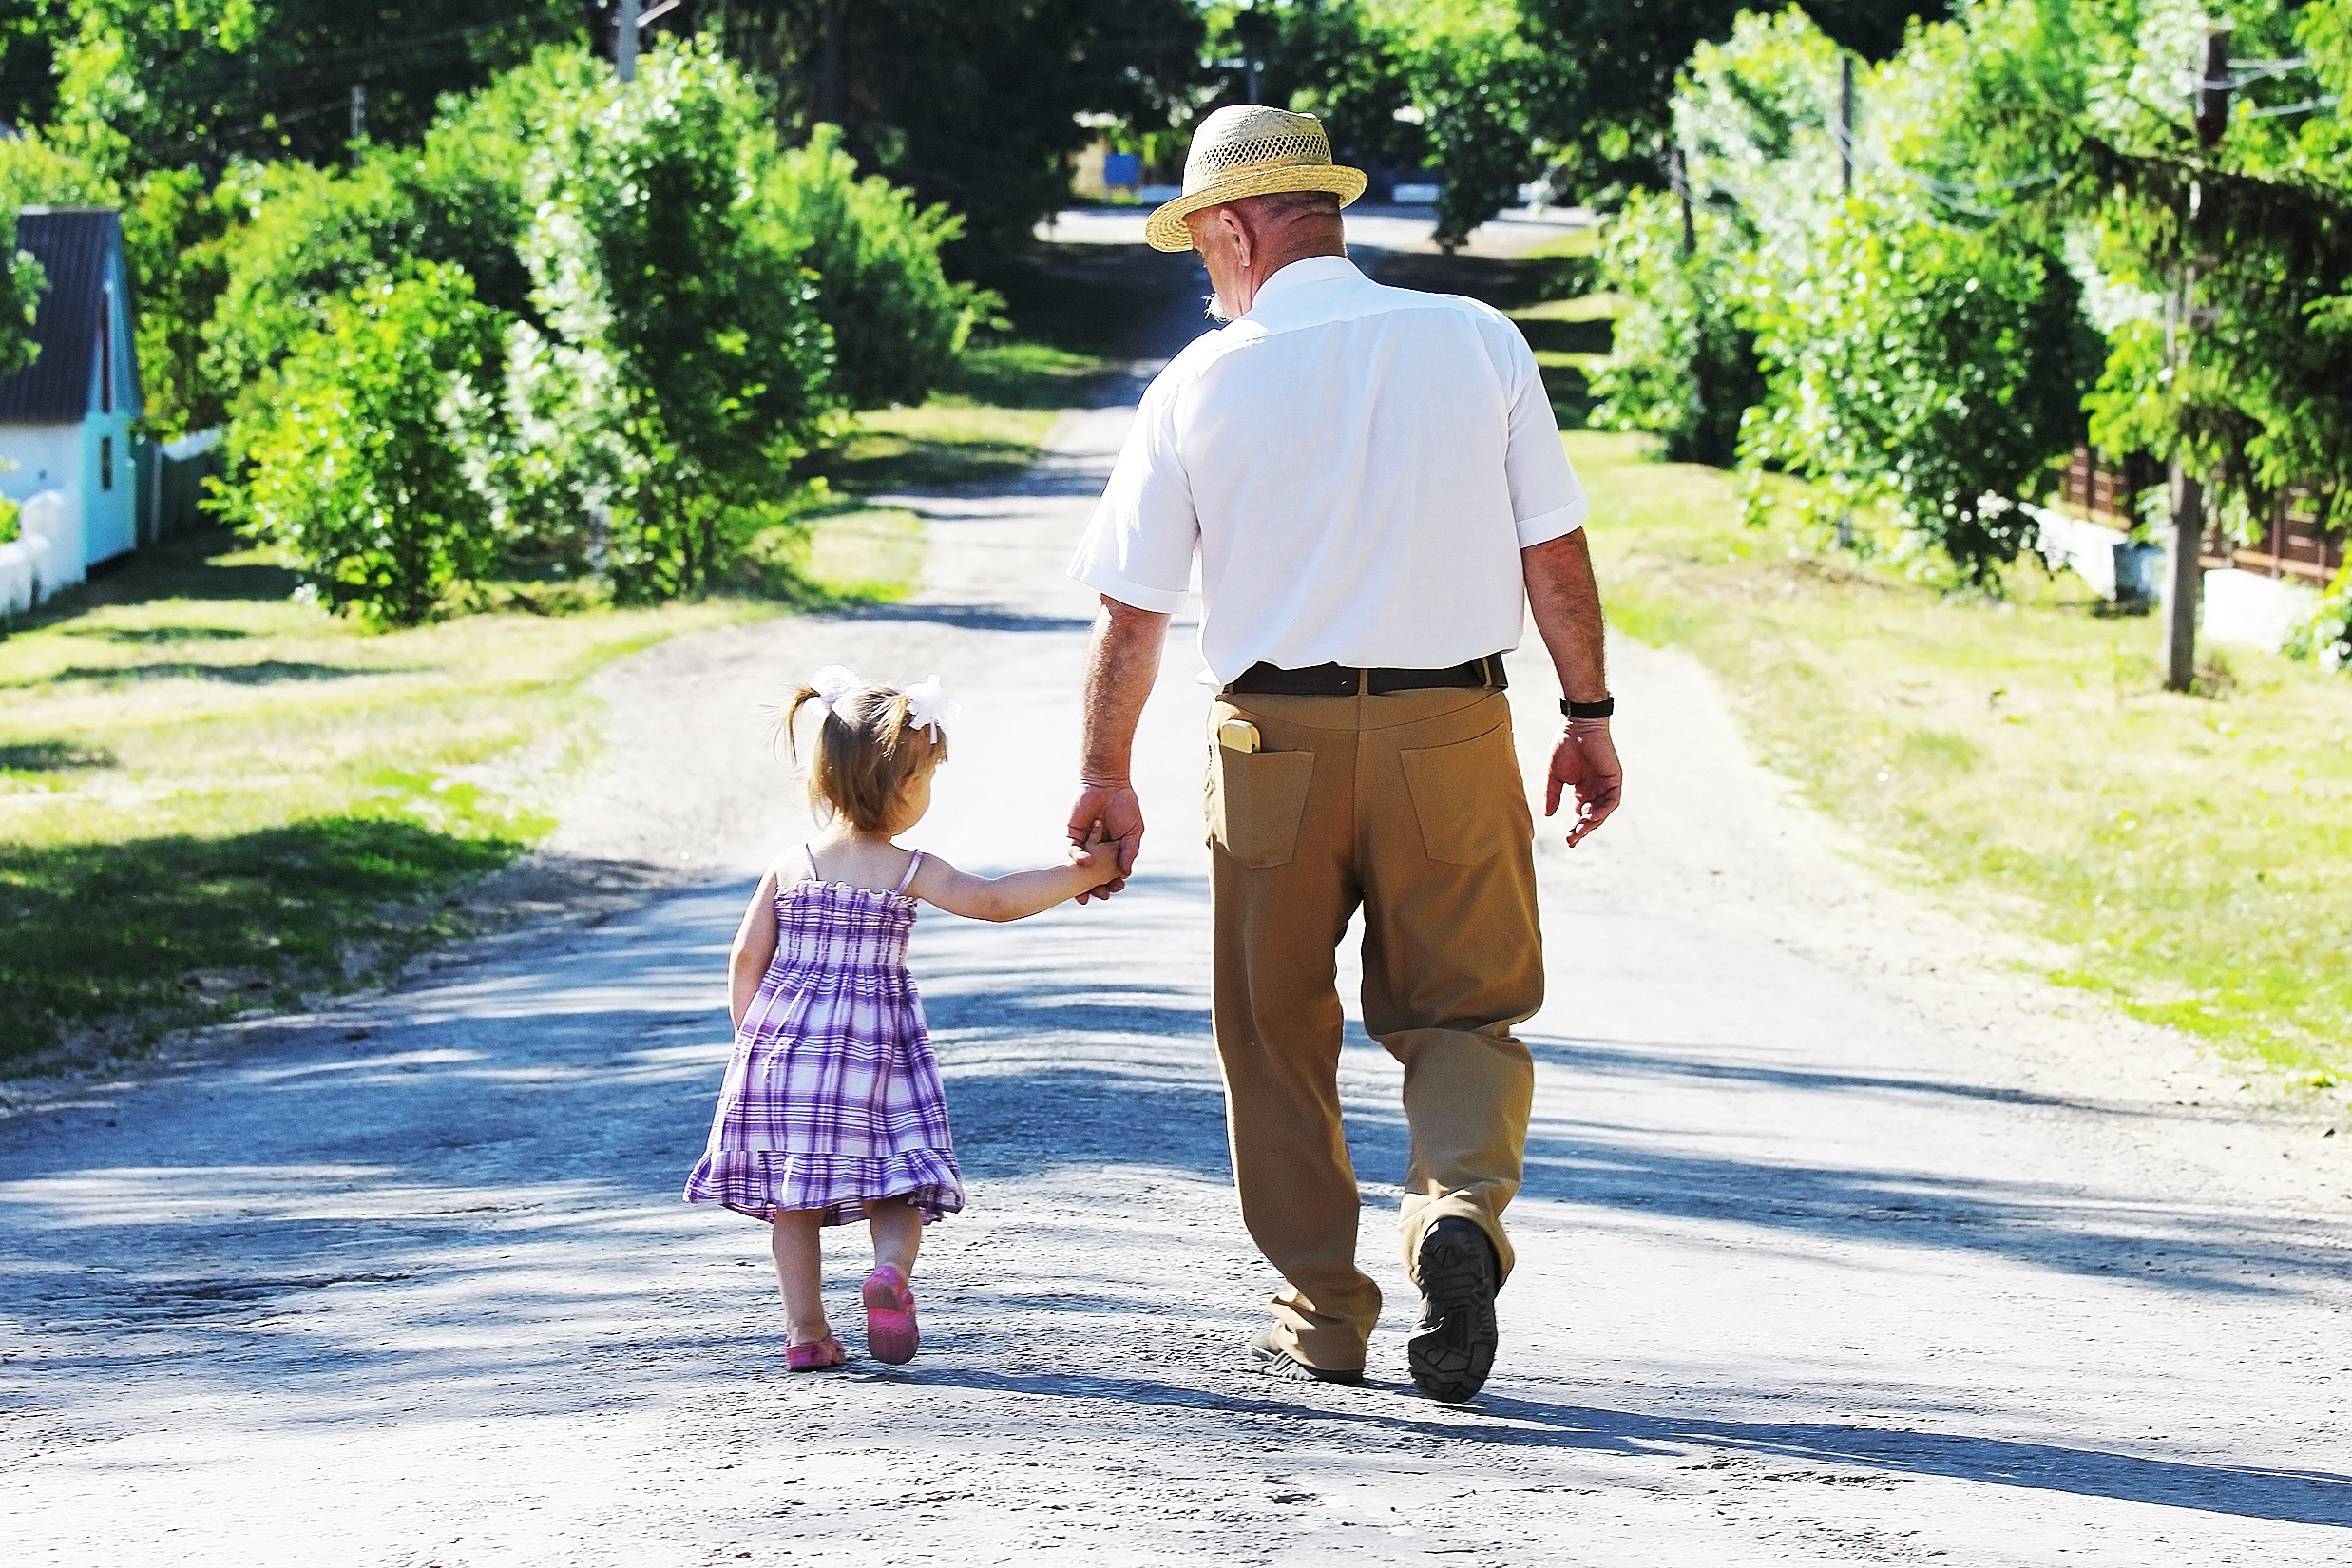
column 1117, row 814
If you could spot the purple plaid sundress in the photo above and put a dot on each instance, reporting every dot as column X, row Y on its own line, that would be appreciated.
column 833, row 1097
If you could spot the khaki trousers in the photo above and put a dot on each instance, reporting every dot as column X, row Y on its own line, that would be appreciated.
column 1410, row 805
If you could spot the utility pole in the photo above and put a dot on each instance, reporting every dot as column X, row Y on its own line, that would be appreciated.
column 359, row 111
column 1678, row 172
column 624, row 42
column 2180, row 610
column 832, row 91
column 1845, row 123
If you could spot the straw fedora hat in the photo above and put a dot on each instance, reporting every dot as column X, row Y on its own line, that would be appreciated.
column 1248, row 149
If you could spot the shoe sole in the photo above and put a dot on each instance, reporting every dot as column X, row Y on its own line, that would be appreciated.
column 1451, row 1357
column 1281, row 1364
column 890, row 1333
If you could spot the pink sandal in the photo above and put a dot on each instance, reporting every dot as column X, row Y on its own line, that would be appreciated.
column 818, row 1355
column 890, row 1317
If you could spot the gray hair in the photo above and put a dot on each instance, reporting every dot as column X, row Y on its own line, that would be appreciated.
column 1289, row 206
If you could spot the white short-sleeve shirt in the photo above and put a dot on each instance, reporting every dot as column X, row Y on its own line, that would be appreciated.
column 1357, row 468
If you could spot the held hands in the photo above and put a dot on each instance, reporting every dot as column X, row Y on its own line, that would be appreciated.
column 1585, row 761
column 1097, row 857
column 1110, row 817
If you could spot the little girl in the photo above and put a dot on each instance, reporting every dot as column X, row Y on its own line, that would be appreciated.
column 831, row 1109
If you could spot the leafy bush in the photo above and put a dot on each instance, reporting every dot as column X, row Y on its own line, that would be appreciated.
column 1914, row 364
column 306, row 236
column 1681, row 366
column 356, row 446
column 896, row 320
column 2327, row 636
column 682, row 362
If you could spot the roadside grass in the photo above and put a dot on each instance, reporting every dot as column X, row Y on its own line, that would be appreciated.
column 2193, row 852
column 214, row 798
column 983, row 426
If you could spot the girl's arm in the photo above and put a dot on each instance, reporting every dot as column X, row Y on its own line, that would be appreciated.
column 1022, row 894
column 754, row 950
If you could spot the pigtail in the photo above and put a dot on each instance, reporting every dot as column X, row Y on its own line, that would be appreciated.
column 783, row 719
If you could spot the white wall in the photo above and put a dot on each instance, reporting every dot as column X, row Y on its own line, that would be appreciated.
column 2255, row 610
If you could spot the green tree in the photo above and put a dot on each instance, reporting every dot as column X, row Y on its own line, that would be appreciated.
column 1682, row 364
column 681, row 365
column 971, row 103
column 354, row 446
column 141, row 86
column 1927, row 368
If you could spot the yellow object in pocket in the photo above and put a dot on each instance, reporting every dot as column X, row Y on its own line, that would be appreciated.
column 1237, row 735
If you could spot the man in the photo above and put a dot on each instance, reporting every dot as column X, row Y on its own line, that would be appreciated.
column 1373, row 485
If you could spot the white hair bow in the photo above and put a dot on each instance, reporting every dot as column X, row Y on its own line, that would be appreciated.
column 833, row 683
column 927, row 709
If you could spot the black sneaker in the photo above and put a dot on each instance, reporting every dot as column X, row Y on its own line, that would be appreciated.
column 1453, row 1349
column 1268, row 1356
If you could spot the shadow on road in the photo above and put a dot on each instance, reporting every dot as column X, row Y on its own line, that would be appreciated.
column 1863, row 1454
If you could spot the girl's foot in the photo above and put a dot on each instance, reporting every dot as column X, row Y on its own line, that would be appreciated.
column 818, row 1355
column 890, row 1317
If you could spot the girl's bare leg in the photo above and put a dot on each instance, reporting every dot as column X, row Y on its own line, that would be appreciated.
column 799, row 1270
column 897, row 1227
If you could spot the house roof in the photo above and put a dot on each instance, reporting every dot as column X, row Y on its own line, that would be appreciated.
column 73, row 246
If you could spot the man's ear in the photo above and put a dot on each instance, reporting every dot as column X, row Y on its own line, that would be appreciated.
column 1243, row 244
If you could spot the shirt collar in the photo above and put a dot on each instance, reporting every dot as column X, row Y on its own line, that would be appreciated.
column 1301, row 274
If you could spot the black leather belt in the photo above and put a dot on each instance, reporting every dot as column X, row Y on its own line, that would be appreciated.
column 1350, row 680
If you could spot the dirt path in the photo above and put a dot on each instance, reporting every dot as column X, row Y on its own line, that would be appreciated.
column 1839, row 1243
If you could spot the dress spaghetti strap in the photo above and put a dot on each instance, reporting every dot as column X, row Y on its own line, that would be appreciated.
column 810, row 855
column 907, row 881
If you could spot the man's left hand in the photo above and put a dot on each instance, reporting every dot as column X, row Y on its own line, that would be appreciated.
column 1585, row 761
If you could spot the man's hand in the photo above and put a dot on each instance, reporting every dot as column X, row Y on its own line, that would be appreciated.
column 1585, row 761
column 1109, row 811
column 1122, row 661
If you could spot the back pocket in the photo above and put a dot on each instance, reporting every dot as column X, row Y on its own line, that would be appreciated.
column 1255, row 802
column 1464, row 795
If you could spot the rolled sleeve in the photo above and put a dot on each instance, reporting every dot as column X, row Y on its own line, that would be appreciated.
column 1139, row 545
column 1546, row 499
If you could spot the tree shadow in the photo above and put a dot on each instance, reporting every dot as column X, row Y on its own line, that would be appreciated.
column 983, row 618
column 267, row 672
column 1499, row 1426
column 161, row 932
column 52, row 757
column 159, row 636
column 184, row 566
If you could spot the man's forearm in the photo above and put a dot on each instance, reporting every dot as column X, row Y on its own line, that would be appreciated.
column 1123, row 664
column 1565, row 602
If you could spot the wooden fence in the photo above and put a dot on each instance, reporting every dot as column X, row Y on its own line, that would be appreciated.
column 2294, row 547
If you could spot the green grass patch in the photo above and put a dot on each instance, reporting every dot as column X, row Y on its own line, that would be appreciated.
column 2194, row 852
column 212, row 797
column 983, row 426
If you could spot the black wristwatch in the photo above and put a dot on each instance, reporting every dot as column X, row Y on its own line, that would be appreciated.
column 1601, row 709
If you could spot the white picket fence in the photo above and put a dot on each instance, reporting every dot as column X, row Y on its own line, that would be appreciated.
column 45, row 557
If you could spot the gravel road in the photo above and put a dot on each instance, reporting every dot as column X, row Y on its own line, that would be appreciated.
column 1843, row 1240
